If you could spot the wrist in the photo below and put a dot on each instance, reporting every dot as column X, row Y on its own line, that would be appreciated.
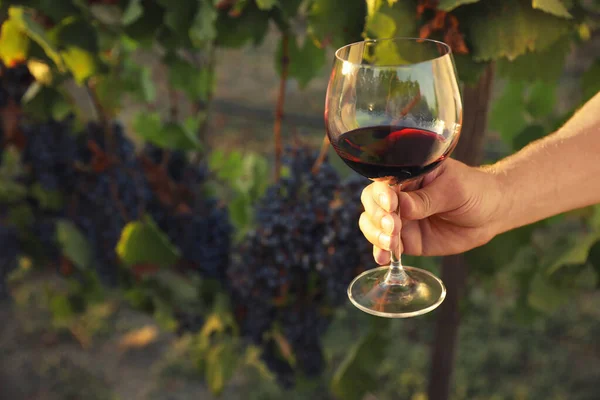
column 502, row 197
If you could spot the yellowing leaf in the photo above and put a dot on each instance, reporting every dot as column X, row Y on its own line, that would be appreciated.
column 81, row 63
column 40, row 71
column 139, row 337
column 14, row 44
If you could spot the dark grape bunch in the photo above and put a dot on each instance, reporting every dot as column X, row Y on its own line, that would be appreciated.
column 299, row 260
column 14, row 82
column 203, row 232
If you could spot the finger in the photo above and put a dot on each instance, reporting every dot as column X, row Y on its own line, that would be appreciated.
column 388, row 222
column 384, row 196
column 375, row 235
column 412, row 237
column 381, row 257
column 438, row 194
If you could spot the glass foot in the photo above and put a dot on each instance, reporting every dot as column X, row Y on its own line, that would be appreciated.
column 371, row 293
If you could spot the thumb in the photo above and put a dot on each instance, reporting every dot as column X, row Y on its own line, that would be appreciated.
column 422, row 203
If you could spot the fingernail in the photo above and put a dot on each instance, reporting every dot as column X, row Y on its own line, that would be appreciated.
column 385, row 240
column 387, row 224
column 384, row 201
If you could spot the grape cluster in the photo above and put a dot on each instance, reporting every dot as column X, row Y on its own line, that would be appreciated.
column 203, row 233
column 109, row 195
column 298, row 261
column 50, row 154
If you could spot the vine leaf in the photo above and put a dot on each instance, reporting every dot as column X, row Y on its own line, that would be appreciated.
column 305, row 62
column 590, row 81
column 329, row 25
column 36, row 32
column 555, row 7
column 506, row 114
column 203, row 29
column 546, row 65
column 511, row 30
column 266, row 4
column 390, row 19
column 143, row 242
column 74, row 245
column 449, row 5
column 14, row 44
column 236, row 31
column 133, row 12
column 356, row 374
column 171, row 135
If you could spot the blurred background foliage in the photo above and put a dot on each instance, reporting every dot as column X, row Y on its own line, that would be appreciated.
column 168, row 230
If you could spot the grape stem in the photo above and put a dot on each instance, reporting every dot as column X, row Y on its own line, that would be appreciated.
column 285, row 62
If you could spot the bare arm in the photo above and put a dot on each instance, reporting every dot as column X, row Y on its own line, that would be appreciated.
column 555, row 174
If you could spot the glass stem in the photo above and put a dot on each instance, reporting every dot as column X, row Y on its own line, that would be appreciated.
column 396, row 274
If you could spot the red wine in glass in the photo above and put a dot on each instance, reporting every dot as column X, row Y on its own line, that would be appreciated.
column 392, row 153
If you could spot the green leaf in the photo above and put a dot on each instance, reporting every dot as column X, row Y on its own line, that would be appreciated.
column 511, row 30
column 14, row 44
column 506, row 114
column 221, row 362
column 266, row 4
column 469, row 71
column 36, row 32
column 386, row 20
column 304, row 63
column 590, row 81
column 180, row 18
column 546, row 65
column 181, row 288
column 74, row 245
column 499, row 252
column 61, row 308
column 110, row 90
column 76, row 32
column 133, row 12
column 250, row 26
column 541, row 99
column 528, row 135
column 11, row 191
column 47, row 199
column 555, row 7
column 170, row 135
column 357, row 374
column 203, row 29
column 576, row 253
column 546, row 297
column 240, row 211
column 144, row 29
column 196, row 83
column 449, row 5
column 56, row 10
column 143, row 242
column 328, row 24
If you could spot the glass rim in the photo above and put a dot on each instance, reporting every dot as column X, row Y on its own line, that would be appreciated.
column 397, row 38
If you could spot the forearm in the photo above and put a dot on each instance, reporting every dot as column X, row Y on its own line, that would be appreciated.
column 558, row 173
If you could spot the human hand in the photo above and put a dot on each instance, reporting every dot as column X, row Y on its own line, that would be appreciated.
column 451, row 210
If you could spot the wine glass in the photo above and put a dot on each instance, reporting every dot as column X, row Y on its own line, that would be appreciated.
column 393, row 113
